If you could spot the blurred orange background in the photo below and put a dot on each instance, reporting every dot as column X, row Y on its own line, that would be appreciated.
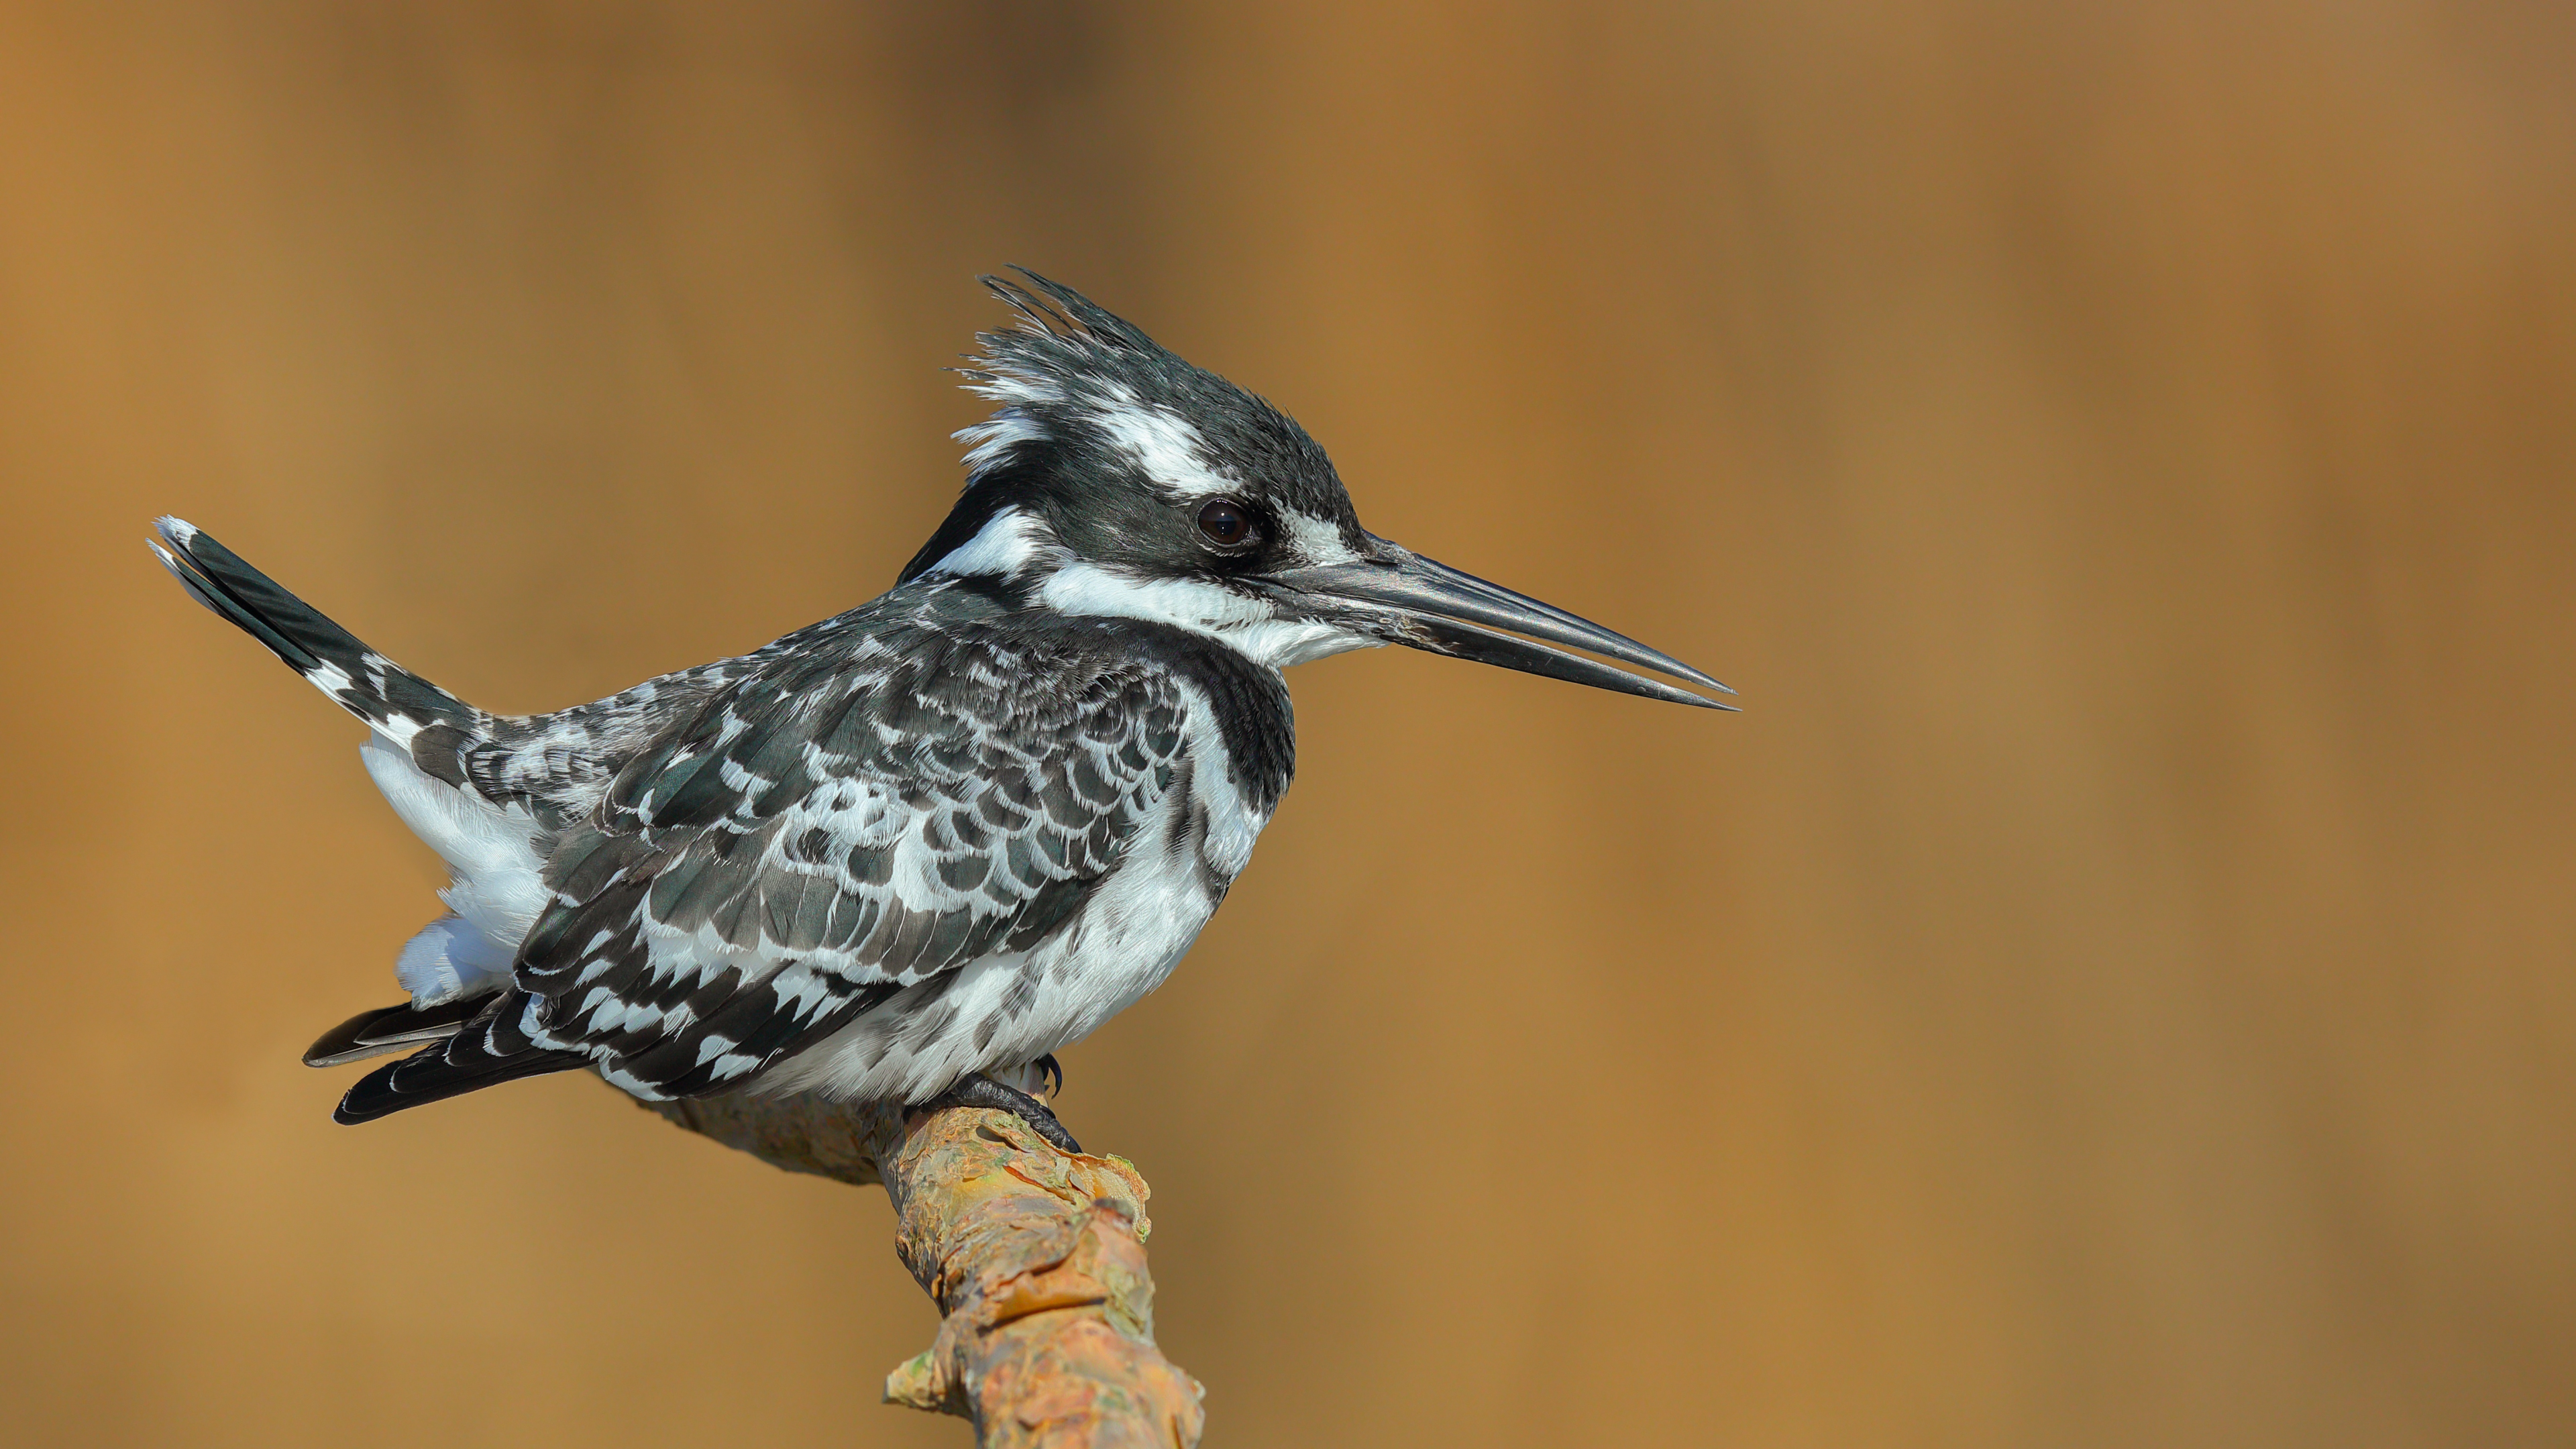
column 2112, row 986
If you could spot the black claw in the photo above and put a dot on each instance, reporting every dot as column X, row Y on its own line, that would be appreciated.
column 1054, row 1072
column 983, row 1091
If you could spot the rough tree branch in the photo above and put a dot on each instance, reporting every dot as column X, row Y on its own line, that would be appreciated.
column 1035, row 1258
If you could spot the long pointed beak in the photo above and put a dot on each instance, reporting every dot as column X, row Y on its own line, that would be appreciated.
column 1404, row 598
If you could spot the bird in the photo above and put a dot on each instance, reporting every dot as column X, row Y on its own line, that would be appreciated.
column 911, row 852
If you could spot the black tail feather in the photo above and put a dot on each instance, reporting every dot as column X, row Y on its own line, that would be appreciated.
column 391, row 1028
column 481, row 1054
column 434, row 1076
column 365, row 683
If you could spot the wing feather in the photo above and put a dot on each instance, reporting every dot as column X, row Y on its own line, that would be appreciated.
column 812, row 839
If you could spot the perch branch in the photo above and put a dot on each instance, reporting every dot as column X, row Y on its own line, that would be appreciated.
column 1036, row 1259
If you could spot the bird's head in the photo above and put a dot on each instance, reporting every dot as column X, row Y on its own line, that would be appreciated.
column 1116, row 479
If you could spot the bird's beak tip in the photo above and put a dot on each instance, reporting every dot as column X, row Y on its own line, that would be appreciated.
column 1428, row 605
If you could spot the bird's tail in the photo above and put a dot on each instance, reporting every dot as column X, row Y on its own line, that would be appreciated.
column 387, row 696
column 392, row 1028
column 467, row 1042
column 485, row 1051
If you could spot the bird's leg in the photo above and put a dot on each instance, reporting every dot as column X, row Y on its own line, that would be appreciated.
column 983, row 1091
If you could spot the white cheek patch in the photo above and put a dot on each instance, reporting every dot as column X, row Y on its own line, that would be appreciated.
column 1250, row 626
column 1087, row 588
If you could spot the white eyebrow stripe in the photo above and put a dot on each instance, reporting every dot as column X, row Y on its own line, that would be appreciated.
column 1162, row 442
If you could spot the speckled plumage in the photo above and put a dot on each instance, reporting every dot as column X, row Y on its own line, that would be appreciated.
column 741, row 859
column 945, row 833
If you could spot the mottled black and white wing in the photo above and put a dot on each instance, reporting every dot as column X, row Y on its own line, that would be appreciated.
column 813, row 840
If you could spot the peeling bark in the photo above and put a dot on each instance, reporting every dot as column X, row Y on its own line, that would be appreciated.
column 1036, row 1259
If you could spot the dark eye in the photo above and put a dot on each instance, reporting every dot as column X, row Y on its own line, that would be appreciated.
column 1226, row 523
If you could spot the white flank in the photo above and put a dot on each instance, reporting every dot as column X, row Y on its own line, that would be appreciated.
column 451, row 957
column 496, row 888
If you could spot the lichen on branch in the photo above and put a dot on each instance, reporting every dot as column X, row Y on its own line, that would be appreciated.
column 1035, row 1257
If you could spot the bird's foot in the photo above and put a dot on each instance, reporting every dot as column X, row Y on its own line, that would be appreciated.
column 983, row 1091
column 1052, row 1072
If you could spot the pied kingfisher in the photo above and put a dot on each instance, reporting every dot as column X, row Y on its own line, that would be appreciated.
column 907, row 853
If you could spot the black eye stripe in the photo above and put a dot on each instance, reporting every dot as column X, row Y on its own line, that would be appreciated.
column 1226, row 523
